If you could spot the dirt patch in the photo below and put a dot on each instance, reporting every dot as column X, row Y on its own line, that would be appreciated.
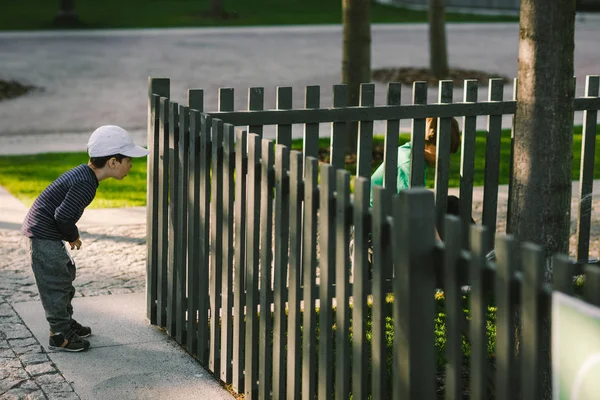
column 12, row 89
column 408, row 75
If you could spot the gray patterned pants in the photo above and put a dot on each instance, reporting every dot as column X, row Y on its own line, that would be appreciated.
column 54, row 273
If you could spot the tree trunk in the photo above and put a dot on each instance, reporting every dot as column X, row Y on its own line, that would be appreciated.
column 66, row 15
column 356, row 57
column 438, row 54
column 540, row 198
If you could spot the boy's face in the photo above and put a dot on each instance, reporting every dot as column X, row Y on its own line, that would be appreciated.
column 120, row 169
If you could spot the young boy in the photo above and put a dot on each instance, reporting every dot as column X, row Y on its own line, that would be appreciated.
column 50, row 224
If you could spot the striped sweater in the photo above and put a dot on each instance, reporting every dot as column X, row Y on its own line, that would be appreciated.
column 58, row 208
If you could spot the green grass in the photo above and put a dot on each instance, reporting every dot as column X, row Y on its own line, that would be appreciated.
column 26, row 176
column 39, row 14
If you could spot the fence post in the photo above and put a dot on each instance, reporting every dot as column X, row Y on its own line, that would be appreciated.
column 392, row 129
column 442, row 170
column 592, row 284
column 173, row 218
column 157, row 88
column 414, row 286
column 532, row 321
column 365, row 133
column 467, row 161
column 417, row 139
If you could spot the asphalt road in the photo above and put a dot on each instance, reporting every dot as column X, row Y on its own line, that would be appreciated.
column 91, row 78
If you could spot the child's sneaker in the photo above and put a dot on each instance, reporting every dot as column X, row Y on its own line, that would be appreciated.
column 69, row 342
column 80, row 330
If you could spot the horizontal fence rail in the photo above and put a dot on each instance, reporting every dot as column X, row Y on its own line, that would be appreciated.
column 276, row 271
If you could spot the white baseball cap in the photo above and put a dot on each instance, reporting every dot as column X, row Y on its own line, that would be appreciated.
column 109, row 140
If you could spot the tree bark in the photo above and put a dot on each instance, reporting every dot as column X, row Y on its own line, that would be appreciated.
column 216, row 8
column 66, row 15
column 438, row 54
column 540, row 198
column 356, row 57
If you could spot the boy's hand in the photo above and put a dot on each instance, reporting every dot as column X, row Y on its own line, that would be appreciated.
column 76, row 243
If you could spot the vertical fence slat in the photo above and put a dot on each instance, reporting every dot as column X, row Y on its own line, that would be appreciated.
column 337, row 150
column 256, row 99
column 512, row 156
column 492, row 162
column 312, row 99
column 454, row 313
column 531, row 321
column 282, row 231
column 417, row 138
column 228, row 246
column 381, row 270
column 157, row 87
column 359, row 290
column 294, row 361
column 327, row 271
column 467, row 161
column 343, row 209
column 309, row 261
column 193, row 230
column 365, row 133
column 216, row 247
column 591, row 289
column 203, row 240
column 173, row 213
column 163, row 212
column 478, row 302
column 239, row 295
column 284, row 102
column 265, row 362
column 506, row 267
column 442, row 170
column 562, row 274
column 414, row 285
column 252, row 262
column 392, row 130
column 586, row 172
column 181, row 232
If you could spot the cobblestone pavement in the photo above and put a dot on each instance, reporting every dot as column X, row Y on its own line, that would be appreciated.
column 111, row 261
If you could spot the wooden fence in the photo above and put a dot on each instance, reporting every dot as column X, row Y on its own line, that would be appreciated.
column 228, row 210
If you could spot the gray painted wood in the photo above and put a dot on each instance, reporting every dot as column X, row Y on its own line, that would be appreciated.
column 256, row 98
column 591, row 289
column 173, row 213
column 239, row 295
column 365, row 133
column 442, row 169
column 512, row 156
column 312, row 99
column 414, row 286
column 309, row 261
column 204, row 238
column 343, row 210
column 359, row 290
column 337, row 152
column 506, row 267
column 282, row 233
column 417, row 139
column 492, row 160
column 382, row 263
column 477, row 326
column 344, row 114
column 157, row 88
column 392, row 130
column 530, row 347
column 327, row 278
column 193, row 231
column 294, row 366
column 467, row 161
column 252, row 265
column 265, row 362
column 586, row 172
column 163, row 212
column 216, row 247
column 181, row 243
column 196, row 99
column 284, row 102
column 562, row 274
column 228, row 253
column 454, row 309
